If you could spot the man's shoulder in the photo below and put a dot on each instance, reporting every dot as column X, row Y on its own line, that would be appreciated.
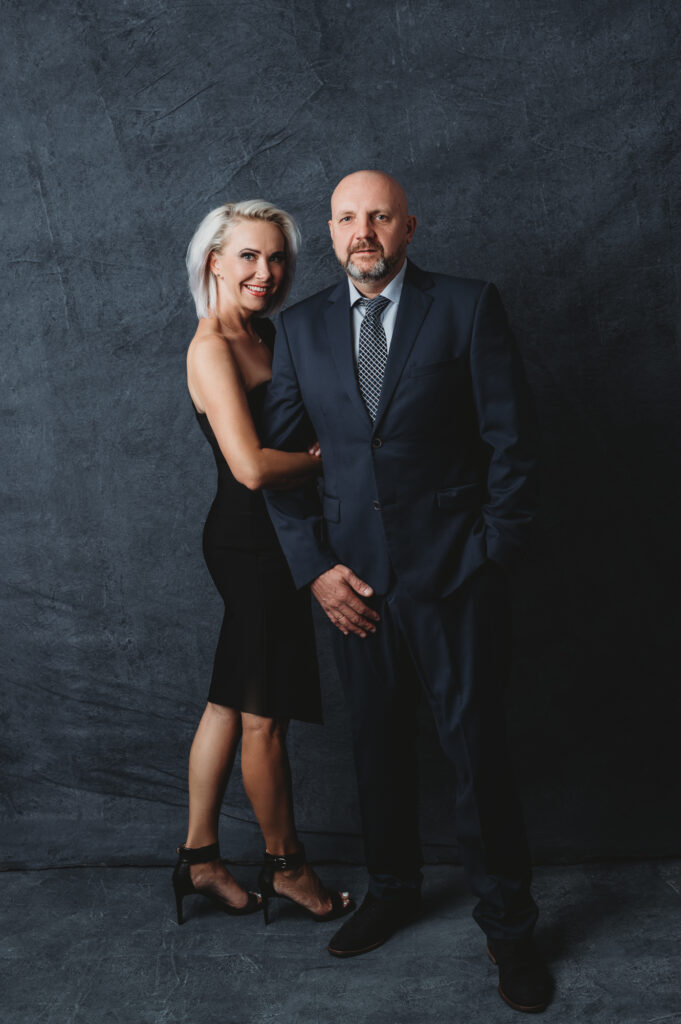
column 452, row 283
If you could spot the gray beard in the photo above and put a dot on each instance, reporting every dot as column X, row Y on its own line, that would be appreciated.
column 379, row 270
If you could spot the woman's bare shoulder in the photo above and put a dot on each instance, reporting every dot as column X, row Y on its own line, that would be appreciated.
column 212, row 369
column 208, row 347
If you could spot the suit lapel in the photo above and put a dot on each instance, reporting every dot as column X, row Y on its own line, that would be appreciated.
column 413, row 306
column 339, row 330
column 411, row 312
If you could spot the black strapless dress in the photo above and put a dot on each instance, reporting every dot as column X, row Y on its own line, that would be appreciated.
column 265, row 662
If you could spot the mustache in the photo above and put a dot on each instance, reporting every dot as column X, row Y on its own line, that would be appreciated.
column 366, row 246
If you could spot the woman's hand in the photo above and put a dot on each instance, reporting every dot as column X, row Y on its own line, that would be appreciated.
column 314, row 449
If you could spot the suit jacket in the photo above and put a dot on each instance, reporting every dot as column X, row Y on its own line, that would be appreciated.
column 445, row 476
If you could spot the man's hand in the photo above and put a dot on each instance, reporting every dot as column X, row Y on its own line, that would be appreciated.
column 337, row 590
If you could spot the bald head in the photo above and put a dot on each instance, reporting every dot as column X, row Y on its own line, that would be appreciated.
column 371, row 228
column 362, row 183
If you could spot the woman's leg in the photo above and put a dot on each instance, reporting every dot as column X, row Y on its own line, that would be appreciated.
column 210, row 763
column 267, row 781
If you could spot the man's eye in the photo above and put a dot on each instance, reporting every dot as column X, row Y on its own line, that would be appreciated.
column 344, row 218
column 381, row 216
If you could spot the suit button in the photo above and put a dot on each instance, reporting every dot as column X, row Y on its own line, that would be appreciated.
column 376, row 505
column 377, row 443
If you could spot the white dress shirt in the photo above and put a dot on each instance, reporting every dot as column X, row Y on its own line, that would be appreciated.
column 391, row 292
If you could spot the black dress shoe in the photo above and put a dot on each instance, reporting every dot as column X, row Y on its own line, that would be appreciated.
column 373, row 924
column 524, row 982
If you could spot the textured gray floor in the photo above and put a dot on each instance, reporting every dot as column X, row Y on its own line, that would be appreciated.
column 97, row 945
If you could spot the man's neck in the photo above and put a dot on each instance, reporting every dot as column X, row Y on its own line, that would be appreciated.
column 370, row 289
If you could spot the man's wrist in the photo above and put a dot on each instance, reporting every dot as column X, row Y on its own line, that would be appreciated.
column 318, row 571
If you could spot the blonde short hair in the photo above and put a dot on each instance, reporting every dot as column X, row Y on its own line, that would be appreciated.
column 210, row 237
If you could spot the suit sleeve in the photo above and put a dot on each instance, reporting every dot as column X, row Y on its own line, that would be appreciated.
column 297, row 513
column 507, row 425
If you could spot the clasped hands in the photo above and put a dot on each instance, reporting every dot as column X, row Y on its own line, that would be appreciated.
column 338, row 591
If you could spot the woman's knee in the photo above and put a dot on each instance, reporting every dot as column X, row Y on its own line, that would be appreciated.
column 261, row 729
column 221, row 713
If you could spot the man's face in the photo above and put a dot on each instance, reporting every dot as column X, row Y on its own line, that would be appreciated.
column 370, row 226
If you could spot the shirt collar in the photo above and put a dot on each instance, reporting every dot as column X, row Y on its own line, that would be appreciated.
column 391, row 292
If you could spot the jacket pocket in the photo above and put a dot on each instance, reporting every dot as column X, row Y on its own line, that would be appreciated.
column 460, row 497
column 331, row 508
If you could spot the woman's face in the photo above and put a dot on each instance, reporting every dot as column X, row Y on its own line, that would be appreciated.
column 250, row 268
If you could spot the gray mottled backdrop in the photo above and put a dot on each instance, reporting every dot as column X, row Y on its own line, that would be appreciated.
column 538, row 145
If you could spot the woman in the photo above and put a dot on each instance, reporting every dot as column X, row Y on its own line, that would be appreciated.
column 241, row 262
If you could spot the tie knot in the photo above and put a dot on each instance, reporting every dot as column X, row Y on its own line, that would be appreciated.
column 373, row 307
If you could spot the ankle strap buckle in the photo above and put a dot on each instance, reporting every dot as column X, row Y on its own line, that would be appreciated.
column 286, row 861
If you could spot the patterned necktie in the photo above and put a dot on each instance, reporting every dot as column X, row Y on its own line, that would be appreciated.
column 372, row 354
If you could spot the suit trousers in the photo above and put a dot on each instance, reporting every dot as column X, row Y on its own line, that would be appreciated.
column 458, row 650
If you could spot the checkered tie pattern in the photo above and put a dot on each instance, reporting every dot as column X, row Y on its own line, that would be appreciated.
column 373, row 352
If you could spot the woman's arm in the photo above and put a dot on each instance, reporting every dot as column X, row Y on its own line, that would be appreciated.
column 215, row 386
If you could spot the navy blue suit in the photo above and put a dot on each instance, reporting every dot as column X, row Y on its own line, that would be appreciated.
column 427, row 504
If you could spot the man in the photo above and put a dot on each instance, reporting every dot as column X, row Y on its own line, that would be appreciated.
column 412, row 383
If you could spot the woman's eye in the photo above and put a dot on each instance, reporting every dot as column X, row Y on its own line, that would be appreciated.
column 247, row 256
column 277, row 258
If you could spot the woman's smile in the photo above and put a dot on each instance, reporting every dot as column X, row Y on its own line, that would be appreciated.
column 257, row 289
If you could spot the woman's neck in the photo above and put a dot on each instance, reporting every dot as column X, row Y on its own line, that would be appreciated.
column 235, row 321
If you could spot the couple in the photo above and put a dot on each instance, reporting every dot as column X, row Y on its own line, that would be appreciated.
column 405, row 391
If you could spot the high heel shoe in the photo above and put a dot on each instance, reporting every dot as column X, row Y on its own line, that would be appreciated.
column 290, row 862
column 183, row 885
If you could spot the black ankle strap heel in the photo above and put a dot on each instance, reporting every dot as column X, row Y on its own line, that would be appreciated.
column 183, row 885
column 272, row 863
